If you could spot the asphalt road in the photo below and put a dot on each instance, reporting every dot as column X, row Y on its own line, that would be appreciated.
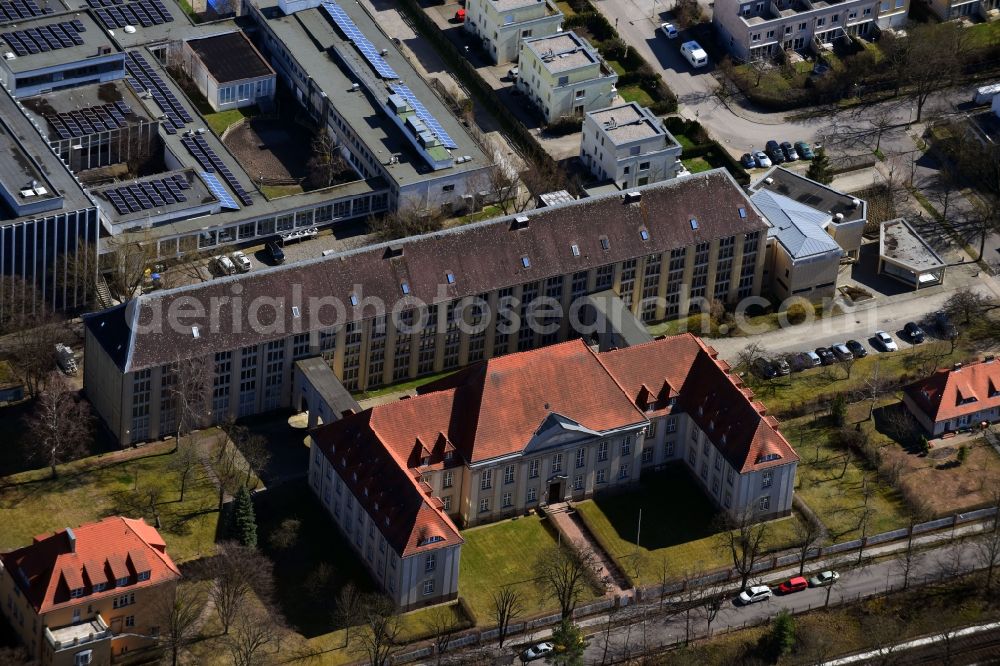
column 929, row 565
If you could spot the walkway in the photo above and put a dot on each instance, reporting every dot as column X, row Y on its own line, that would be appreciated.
column 568, row 525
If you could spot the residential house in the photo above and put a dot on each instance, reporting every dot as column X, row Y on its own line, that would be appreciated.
column 755, row 29
column 502, row 24
column 947, row 10
column 667, row 249
column 956, row 398
column 565, row 76
column 510, row 434
column 229, row 71
column 90, row 594
column 629, row 145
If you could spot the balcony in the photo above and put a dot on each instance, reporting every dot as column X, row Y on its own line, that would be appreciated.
column 76, row 635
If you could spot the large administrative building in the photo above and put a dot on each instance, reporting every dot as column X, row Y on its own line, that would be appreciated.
column 666, row 249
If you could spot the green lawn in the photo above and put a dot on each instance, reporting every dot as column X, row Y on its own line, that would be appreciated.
column 983, row 35
column 617, row 66
column 838, row 501
column 634, row 93
column 220, row 121
column 275, row 191
column 677, row 527
column 504, row 554
column 685, row 141
column 90, row 489
column 486, row 213
column 401, row 386
column 696, row 164
column 782, row 393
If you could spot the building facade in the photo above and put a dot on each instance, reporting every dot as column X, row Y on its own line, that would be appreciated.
column 667, row 249
column 956, row 398
column 563, row 75
column 90, row 594
column 755, row 29
column 229, row 71
column 511, row 434
column 947, row 10
column 629, row 145
column 502, row 24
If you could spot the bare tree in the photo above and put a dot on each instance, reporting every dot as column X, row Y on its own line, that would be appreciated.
column 238, row 573
column 254, row 449
column 254, row 631
column 504, row 184
column 378, row 635
column 507, row 607
column 875, row 386
column 187, row 384
column 664, row 578
column 186, row 462
column 441, row 623
column 743, row 537
column 327, row 165
column 808, row 534
column 748, row 355
column 124, row 265
column 347, row 609
column 226, row 468
column 988, row 548
column 709, row 604
column 31, row 343
column 61, row 425
column 177, row 612
column 933, row 60
column 404, row 222
column 966, row 305
column 565, row 571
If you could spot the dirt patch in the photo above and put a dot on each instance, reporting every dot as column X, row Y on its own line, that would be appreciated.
column 272, row 150
column 944, row 484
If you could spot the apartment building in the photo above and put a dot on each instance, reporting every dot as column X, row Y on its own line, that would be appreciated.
column 510, row 434
column 755, row 29
column 629, row 145
column 563, row 75
column 449, row 299
column 229, row 71
column 90, row 594
column 502, row 24
column 947, row 10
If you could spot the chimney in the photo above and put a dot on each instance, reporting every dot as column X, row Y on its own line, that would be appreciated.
column 72, row 539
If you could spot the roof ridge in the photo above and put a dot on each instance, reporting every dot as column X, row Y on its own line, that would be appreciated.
column 167, row 560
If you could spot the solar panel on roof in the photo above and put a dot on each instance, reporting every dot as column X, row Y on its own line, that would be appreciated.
column 428, row 119
column 362, row 43
column 216, row 188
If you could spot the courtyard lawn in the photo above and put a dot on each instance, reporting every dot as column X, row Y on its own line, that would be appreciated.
column 696, row 164
column 504, row 554
column 635, row 93
column 677, row 528
column 835, row 494
column 122, row 482
column 220, row 121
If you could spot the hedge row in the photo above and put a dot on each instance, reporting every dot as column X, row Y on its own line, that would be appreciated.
column 704, row 145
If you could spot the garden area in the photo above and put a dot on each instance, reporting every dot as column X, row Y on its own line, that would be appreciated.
column 678, row 528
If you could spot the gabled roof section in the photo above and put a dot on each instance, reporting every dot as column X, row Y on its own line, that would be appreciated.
column 952, row 393
column 86, row 556
column 799, row 228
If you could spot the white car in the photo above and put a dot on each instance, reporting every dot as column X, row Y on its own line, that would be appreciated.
column 694, row 53
column 885, row 341
column 224, row 265
column 537, row 651
column 755, row 593
column 669, row 30
column 762, row 159
column 241, row 261
column 824, row 578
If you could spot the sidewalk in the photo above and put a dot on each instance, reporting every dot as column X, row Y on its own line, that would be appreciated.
column 562, row 517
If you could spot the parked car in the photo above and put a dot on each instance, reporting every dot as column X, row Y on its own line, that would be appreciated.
column 241, row 261
column 914, row 332
column 813, row 359
column 796, row 584
column 748, row 161
column 797, row 362
column 885, row 341
column 773, row 151
column 224, row 265
column 538, row 651
column 944, row 326
column 755, row 593
column 826, row 356
column 764, row 369
column 789, row 151
column 842, row 352
column 782, row 367
column 857, row 348
column 669, row 30
column 824, row 578
column 762, row 159
column 805, row 152
column 694, row 54
column 275, row 252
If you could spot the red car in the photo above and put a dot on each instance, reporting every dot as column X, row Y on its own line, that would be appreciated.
column 796, row 584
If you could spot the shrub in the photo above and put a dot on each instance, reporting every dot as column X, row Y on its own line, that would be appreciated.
column 963, row 454
column 564, row 125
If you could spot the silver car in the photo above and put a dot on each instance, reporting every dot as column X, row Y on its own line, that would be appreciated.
column 755, row 593
column 824, row 578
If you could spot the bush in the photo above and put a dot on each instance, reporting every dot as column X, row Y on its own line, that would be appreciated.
column 838, row 410
column 963, row 454
column 564, row 125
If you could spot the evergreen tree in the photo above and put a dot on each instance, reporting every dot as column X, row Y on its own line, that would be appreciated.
column 819, row 170
column 569, row 645
column 780, row 640
column 838, row 410
column 243, row 522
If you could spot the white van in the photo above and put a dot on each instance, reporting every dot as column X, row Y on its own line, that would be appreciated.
column 694, row 54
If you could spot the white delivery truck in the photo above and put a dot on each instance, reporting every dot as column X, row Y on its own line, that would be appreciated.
column 694, row 53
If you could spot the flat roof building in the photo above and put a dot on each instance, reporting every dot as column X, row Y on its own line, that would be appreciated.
column 628, row 144
column 502, row 24
column 908, row 258
column 229, row 71
column 565, row 76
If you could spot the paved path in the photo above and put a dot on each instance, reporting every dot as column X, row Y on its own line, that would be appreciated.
column 569, row 528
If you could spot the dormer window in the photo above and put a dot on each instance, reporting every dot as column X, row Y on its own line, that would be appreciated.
column 447, row 455
column 450, row 277
column 121, row 582
column 768, row 457
column 142, row 575
column 425, row 461
column 76, row 593
column 100, row 587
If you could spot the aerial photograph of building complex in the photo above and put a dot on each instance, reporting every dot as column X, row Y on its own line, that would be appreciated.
column 575, row 332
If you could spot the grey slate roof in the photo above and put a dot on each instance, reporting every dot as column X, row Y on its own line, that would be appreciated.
column 799, row 228
column 482, row 257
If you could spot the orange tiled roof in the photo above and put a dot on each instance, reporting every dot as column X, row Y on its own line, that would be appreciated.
column 949, row 393
column 708, row 392
column 104, row 551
